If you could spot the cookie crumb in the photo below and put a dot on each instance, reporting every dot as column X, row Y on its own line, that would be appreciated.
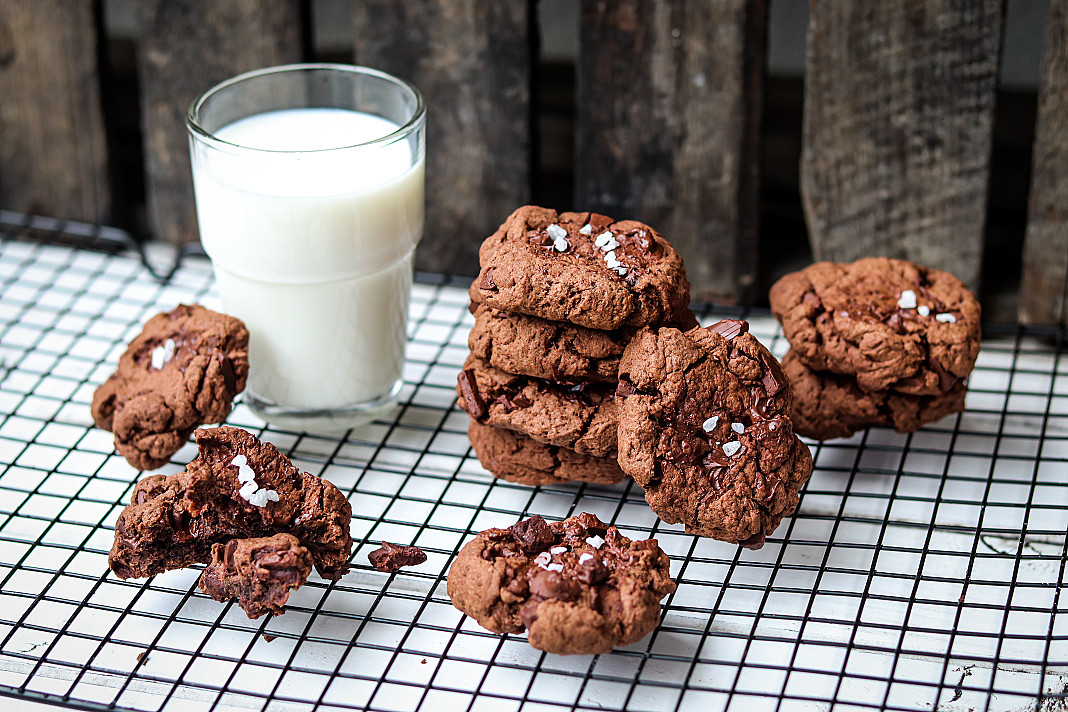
column 907, row 300
column 142, row 655
column 709, row 425
column 268, row 638
column 731, row 449
column 946, row 318
column 393, row 557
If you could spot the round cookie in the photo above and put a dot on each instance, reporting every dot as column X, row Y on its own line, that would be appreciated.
column 580, row 416
column 577, row 585
column 582, row 267
column 518, row 458
column 889, row 323
column 828, row 405
column 705, row 429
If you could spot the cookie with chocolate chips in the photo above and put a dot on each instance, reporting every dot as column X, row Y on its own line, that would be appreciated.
column 183, row 370
column 828, row 405
column 705, row 429
column 259, row 573
column 888, row 323
column 584, row 268
column 577, row 586
column 236, row 488
column 517, row 458
column 578, row 416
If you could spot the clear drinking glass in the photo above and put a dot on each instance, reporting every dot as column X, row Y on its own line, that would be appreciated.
column 309, row 191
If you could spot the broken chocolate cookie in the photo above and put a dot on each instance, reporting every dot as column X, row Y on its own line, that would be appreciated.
column 258, row 572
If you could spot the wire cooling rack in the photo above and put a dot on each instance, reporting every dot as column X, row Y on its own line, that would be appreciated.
column 921, row 572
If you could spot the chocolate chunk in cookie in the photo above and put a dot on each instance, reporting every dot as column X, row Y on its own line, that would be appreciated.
column 394, row 557
column 705, row 429
column 888, row 323
column 258, row 572
column 829, row 405
column 517, row 458
column 578, row 416
column 584, row 268
column 182, row 371
column 577, row 585
column 236, row 488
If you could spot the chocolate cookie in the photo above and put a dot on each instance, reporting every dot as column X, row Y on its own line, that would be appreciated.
column 517, row 458
column 705, row 429
column 183, row 370
column 829, row 405
column 888, row 323
column 236, row 488
column 580, row 416
column 577, row 585
column 582, row 267
column 258, row 572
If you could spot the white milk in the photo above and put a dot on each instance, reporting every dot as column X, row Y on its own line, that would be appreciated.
column 313, row 250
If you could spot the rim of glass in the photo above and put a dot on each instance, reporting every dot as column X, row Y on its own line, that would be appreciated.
column 194, row 126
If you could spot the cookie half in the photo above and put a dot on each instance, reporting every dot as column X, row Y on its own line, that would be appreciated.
column 888, row 323
column 578, row 416
column 517, row 458
column 584, row 268
column 705, row 429
column 829, row 405
column 577, row 585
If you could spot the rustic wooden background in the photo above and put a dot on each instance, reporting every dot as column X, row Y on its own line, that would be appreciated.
column 669, row 105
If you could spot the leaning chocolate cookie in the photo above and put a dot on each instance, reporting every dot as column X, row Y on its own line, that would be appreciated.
column 577, row 585
column 584, row 268
column 705, row 429
column 236, row 488
column 890, row 324
column 259, row 573
column 183, row 370
column 829, row 405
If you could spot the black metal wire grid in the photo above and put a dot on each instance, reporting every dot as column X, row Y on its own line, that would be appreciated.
column 922, row 571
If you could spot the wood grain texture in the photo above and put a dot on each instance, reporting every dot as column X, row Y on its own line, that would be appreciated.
column 669, row 99
column 186, row 47
column 53, row 150
column 899, row 105
column 471, row 59
column 1044, row 284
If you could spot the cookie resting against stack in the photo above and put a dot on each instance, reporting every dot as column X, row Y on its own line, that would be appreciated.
column 878, row 341
column 558, row 298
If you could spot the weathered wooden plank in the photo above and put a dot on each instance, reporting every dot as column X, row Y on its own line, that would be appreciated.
column 186, row 47
column 53, row 150
column 899, row 106
column 471, row 59
column 1044, row 284
column 668, row 127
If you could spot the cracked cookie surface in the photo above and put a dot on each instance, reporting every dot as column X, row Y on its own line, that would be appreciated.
column 705, row 430
column 889, row 323
column 577, row 585
column 517, row 458
column 173, row 521
column 585, row 268
column 580, row 416
column 183, row 370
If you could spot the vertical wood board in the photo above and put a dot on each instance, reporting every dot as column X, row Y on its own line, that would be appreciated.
column 53, row 149
column 899, row 107
column 1044, row 283
column 186, row 47
column 668, row 126
column 471, row 60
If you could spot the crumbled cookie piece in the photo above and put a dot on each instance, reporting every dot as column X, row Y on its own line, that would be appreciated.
column 394, row 557
column 577, row 586
column 258, row 572
column 517, row 458
column 584, row 268
column 182, row 371
column 705, row 429
column 173, row 521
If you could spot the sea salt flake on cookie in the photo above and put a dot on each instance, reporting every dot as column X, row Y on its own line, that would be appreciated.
column 946, row 318
column 923, row 310
column 907, row 300
column 709, row 425
column 731, row 449
column 595, row 541
column 586, row 229
column 738, row 428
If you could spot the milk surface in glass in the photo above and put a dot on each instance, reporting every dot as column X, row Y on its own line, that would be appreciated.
column 313, row 248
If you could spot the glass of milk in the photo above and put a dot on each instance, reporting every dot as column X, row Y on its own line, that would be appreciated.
column 309, row 191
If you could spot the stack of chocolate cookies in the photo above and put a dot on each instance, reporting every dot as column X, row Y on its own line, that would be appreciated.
column 876, row 342
column 557, row 299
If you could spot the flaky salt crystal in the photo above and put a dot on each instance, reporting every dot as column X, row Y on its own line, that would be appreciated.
column 621, row 271
column 907, row 300
column 555, row 567
column 247, row 489
column 709, row 425
column 271, row 495
column 946, row 318
column 586, row 229
column 558, row 550
column 595, row 541
column 731, row 449
column 561, row 245
column 923, row 310
column 239, row 460
column 543, row 559
column 258, row 498
column 556, row 232
column 585, row 557
column 738, row 428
